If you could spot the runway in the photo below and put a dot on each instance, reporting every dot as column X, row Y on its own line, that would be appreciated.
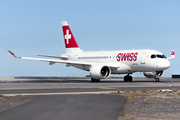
column 68, row 107
column 22, row 85
column 73, row 98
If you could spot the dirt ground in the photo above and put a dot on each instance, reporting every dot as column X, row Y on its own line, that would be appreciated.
column 13, row 101
column 151, row 105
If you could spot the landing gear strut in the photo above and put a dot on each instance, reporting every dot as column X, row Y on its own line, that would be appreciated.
column 128, row 78
column 95, row 80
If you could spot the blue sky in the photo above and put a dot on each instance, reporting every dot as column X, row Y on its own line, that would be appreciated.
column 34, row 27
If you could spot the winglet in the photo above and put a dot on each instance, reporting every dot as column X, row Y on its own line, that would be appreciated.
column 13, row 54
column 172, row 55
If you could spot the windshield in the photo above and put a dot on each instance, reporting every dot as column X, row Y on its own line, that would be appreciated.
column 164, row 56
column 157, row 56
column 153, row 56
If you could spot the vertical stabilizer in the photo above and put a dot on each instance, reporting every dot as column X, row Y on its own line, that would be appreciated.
column 69, row 40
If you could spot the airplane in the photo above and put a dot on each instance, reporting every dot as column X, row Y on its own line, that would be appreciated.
column 101, row 64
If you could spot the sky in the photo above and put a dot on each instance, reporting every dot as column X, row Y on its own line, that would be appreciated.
column 29, row 27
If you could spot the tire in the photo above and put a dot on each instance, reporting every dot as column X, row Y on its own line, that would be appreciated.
column 93, row 80
column 157, row 79
column 125, row 79
column 128, row 78
column 97, row 80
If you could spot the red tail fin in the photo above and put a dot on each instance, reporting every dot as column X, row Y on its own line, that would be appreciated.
column 69, row 39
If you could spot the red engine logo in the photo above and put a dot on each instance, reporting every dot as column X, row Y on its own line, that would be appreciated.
column 127, row 56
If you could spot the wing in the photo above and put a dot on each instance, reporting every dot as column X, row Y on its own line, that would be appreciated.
column 60, row 57
column 52, row 61
column 69, row 63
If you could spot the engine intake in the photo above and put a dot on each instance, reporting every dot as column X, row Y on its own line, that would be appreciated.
column 153, row 74
column 100, row 72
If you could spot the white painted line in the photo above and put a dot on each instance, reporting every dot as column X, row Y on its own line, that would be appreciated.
column 65, row 93
column 67, row 87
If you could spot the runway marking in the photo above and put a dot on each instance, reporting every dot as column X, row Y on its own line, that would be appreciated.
column 2, row 87
column 65, row 93
column 106, row 88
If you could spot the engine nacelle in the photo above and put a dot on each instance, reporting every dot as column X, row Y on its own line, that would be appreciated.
column 153, row 74
column 100, row 72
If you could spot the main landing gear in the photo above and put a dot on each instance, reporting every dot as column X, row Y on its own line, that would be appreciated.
column 95, row 80
column 128, row 78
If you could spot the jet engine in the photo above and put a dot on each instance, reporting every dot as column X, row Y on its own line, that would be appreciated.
column 153, row 74
column 100, row 72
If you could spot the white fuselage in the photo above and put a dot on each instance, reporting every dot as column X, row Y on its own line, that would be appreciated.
column 129, row 61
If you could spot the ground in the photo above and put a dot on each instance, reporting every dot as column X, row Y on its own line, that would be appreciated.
column 13, row 101
column 151, row 105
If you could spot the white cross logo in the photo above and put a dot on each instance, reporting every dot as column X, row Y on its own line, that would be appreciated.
column 67, row 36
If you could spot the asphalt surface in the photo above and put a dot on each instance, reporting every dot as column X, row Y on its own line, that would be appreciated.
column 68, row 107
column 21, row 85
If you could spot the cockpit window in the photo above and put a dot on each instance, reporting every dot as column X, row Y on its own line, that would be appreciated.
column 158, row 56
column 164, row 56
column 153, row 56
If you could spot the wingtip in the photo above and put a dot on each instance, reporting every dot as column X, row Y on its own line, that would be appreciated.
column 172, row 53
column 12, row 54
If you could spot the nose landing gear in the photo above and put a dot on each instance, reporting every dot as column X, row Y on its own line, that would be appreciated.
column 156, row 78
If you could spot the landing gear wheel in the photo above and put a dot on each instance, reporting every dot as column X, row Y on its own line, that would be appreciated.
column 156, row 79
column 128, row 78
column 95, row 80
column 125, row 78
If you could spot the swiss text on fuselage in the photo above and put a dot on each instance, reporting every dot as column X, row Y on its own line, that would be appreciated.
column 127, row 56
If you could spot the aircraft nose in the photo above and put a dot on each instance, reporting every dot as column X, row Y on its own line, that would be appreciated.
column 165, row 64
